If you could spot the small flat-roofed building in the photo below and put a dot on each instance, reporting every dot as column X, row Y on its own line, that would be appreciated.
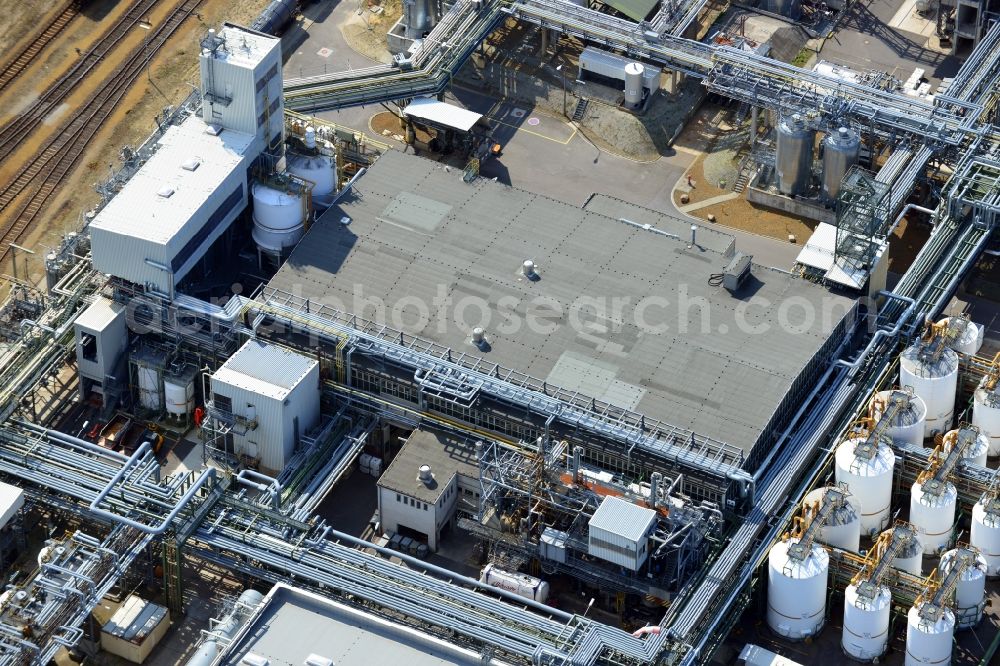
column 419, row 492
column 101, row 338
column 267, row 397
column 292, row 626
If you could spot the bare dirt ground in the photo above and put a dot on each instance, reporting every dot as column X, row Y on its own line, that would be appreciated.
column 172, row 73
column 365, row 30
column 19, row 17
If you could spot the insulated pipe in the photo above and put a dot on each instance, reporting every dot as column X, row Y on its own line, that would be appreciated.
column 882, row 332
column 75, row 441
column 207, row 475
column 902, row 213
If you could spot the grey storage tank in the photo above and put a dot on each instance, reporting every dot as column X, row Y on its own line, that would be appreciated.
column 840, row 153
column 794, row 155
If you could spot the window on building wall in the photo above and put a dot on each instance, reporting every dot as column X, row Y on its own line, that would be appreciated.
column 399, row 498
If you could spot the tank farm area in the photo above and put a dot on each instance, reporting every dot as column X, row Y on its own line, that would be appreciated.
column 500, row 332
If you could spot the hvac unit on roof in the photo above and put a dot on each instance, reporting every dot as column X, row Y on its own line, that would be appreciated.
column 318, row 660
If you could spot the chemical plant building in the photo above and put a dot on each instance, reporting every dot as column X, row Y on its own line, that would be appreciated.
column 357, row 405
column 412, row 232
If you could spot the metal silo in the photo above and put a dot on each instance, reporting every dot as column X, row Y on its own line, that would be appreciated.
column 840, row 152
column 794, row 155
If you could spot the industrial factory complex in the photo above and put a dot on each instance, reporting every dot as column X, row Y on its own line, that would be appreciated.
column 385, row 363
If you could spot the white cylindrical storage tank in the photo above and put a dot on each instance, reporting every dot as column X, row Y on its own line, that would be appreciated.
column 319, row 169
column 986, row 414
column 908, row 423
column 910, row 558
column 985, row 534
column 796, row 591
column 970, row 593
column 929, row 642
column 278, row 220
column 970, row 341
column 866, row 623
column 633, row 84
column 840, row 152
column 936, row 382
column 933, row 514
column 843, row 527
column 150, row 387
column 868, row 475
column 975, row 451
column 178, row 393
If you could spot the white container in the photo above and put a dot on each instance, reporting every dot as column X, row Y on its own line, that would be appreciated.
column 986, row 415
column 975, row 452
column 278, row 218
column 321, row 170
column 910, row 559
column 633, row 84
column 150, row 387
column 936, row 383
column 796, row 591
column 520, row 584
column 135, row 629
column 985, row 536
column 933, row 515
column 970, row 594
column 868, row 479
column 365, row 463
column 909, row 422
column 179, row 396
column 866, row 623
column 971, row 339
column 929, row 643
column 376, row 467
column 842, row 528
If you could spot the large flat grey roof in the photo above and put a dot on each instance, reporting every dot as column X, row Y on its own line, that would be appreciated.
column 417, row 233
column 294, row 624
column 446, row 456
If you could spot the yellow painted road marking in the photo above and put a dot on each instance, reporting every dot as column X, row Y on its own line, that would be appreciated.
column 519, row 128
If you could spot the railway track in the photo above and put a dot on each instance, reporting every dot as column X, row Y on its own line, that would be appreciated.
column 12, row 69
column 62, row 153
column 18, row 129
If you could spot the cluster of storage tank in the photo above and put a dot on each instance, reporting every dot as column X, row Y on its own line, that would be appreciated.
column 795, row 143
column 863, row 470
column 281, row 205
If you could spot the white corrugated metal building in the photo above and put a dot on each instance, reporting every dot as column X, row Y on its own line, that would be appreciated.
column 619, row 533
column 241, row 83
column 271, row 397
column 178, row 203
column 11, row 501
column 101, row 339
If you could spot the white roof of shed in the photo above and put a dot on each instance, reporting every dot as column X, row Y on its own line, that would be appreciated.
column 442, row 113
column 265, row 369
column 99, row 314
column 11, row 501
column 135, row 619
column 160, row 199
column 625, row 519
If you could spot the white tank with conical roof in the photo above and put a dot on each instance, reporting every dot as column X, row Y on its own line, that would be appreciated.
column 315, row 161
column 796, row 590
column 910, row 558
column 934, row 377
column 970, row 337
column 985, row 533
column 866, row 469
column 842, row 528
column 970, row 593
column 932, row 512
column 866, row 622
column 986, row 412
column 929, row 638
column 977, row 445
column 909, row 417
column 279, row 216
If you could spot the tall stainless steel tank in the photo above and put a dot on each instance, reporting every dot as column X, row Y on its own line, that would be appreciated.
column 419, row 17
column 840, row 152
column 794, row 155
